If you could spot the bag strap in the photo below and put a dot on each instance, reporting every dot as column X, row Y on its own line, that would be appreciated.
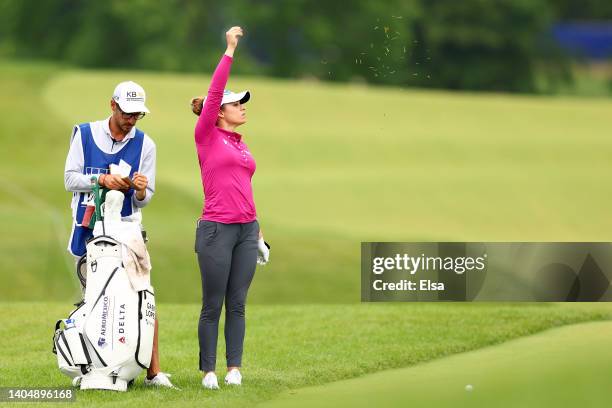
column 57, row 326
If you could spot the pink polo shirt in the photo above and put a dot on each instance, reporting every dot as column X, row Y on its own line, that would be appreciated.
column 226, row 165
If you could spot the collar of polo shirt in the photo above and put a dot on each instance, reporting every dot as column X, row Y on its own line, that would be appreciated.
column 106, row 128
column 232, row 135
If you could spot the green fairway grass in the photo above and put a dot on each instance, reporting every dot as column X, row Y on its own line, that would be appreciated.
column 294, row 346
column 563, row 367
column 337, row 165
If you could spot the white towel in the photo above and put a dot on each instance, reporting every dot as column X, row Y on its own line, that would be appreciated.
column 136, row 260
column 134, row 254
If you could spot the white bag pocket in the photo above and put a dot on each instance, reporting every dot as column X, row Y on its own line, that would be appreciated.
column 69, row 345
column 146, row 327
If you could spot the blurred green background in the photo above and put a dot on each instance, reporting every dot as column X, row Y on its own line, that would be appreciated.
column 544, row 46
column 340, row 160
column 337, row 165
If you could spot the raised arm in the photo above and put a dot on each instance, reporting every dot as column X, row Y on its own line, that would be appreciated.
column 210, row 110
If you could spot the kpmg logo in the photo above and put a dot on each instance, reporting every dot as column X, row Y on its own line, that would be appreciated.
column 101, row 342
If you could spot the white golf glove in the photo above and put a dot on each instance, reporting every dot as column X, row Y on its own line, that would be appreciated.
column 263, row 252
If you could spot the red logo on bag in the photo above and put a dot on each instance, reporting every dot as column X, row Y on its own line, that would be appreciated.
column 122, row 340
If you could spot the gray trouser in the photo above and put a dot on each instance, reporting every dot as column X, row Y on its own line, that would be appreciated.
column 227, row 255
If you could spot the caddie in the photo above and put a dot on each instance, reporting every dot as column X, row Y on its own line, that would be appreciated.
column 94, row 146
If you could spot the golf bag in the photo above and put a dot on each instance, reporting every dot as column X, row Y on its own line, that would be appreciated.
column 108, row 339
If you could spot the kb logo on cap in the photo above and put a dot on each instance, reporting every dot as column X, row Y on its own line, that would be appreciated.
column 131, row 94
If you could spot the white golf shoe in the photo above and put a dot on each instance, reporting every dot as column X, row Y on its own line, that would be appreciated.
column 233, row 377
column 160, row 380
column 210, row 381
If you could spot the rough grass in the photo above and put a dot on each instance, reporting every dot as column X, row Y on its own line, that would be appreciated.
column 287, row 346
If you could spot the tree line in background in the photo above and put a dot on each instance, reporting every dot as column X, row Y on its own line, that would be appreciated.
column 468, row 44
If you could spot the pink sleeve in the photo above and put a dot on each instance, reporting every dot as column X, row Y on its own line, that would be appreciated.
column 210, row 110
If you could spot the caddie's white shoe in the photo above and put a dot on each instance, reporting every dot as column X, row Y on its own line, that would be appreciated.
column 210, row 381
column 160, row 380
column 233, row 377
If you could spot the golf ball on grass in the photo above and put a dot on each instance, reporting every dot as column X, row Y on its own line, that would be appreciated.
column 469, row 387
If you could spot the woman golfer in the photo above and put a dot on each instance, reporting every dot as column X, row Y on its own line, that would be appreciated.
column 228, row 242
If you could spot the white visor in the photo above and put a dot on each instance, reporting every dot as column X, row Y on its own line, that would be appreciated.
column 229, row 97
